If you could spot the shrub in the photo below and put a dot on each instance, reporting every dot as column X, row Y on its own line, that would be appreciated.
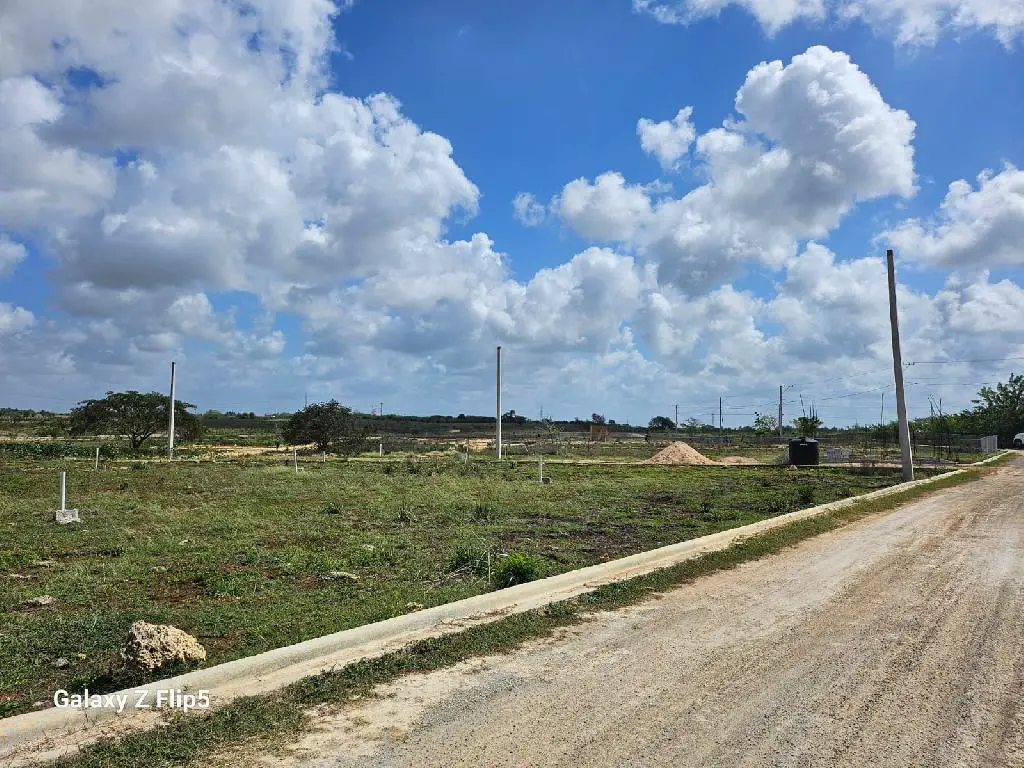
column 805, row 494
column 468, row 559
column 482, row 512
column 774, row 504
column 517, row 568
column 405, row 515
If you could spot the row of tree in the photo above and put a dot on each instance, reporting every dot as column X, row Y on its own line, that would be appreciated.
column 331, row 426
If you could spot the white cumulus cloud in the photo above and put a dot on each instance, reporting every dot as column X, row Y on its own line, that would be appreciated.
column 668, row 140
column 973, row 227
column 913, row 22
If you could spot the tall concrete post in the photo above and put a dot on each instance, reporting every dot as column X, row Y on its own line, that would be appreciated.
column 170, row 428
column 897, row 365
column 498, row 411
column 780, row 411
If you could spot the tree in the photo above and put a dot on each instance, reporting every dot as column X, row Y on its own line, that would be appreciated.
column 998, row 411
column 808, row 426
column 661, row 424
column 511, row 418
column 135, row 415
column 765, row 423
column 329, row 425
column 596, row 418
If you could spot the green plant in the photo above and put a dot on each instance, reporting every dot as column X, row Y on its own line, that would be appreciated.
column 468, row 559
column 133, row 414
column 482, row 512
column 774, row 504
column 516, row 568
column 406, row 516
column 805, row 494
column 329, row 425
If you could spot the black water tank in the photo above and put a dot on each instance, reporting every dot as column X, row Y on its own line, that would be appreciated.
column 803, row 452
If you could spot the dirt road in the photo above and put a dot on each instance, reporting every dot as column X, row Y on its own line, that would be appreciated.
column 897, row 641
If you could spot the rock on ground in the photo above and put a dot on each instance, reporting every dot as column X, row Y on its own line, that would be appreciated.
column 152, row 646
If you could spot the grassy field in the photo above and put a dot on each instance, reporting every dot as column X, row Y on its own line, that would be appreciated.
column 241, row 554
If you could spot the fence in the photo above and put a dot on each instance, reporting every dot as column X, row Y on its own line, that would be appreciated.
column 848, row 446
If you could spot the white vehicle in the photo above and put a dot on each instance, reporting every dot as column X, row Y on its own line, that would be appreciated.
column 1018, row 440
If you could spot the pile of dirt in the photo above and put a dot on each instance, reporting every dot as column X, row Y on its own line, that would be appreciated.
column 737, row 460
column 677, row 454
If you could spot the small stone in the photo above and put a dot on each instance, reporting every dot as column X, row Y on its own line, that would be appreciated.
column 339, row 575
column 158, row 568
column 39, row 602
column 369, row 547
column 65, row 516
column 414, row 606
column 81, row 656
column 18, row 577
column 61, row 663
column 43, row 564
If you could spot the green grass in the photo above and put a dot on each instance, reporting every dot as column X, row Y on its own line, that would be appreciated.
column 246, row 545
column 273, row 718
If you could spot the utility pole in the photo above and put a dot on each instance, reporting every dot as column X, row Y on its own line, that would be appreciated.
column 897, row 365
column 382, row 408
column 720, row 427
column 780, row 411
column 677, row 417
column 498, row 409
column 170, row 428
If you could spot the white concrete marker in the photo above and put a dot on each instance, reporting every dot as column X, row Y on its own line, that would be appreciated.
column 64, row 515
column 295, row 459
column 97, row 464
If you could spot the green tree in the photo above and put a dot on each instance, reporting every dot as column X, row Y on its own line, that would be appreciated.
column 808, row 426
column 998, row 410
column 597, row 418
column 765, row 423
column 661, row 424
column 135, row 415
column 329, row 425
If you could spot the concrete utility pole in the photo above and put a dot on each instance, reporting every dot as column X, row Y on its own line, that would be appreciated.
column 498, row 409
column 677, row 417
column 720, row 418
column 780, row 411
column 170, row 428
column 897, row 365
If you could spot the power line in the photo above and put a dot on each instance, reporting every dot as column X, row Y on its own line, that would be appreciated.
column 951, row 362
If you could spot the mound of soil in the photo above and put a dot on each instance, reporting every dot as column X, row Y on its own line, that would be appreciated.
column 737, row 460
column 677, row 454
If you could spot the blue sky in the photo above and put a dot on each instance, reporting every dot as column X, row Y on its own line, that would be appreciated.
column 287, row 218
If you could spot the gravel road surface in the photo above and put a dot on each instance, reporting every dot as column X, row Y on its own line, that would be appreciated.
column 896, row 641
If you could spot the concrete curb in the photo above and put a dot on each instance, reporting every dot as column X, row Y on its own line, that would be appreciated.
column 274, row 669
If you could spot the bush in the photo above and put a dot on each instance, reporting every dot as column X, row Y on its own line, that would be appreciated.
column 805, row 494
column 468, row 559
column 517, row 568
column 774, row 504
column 482, row 512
